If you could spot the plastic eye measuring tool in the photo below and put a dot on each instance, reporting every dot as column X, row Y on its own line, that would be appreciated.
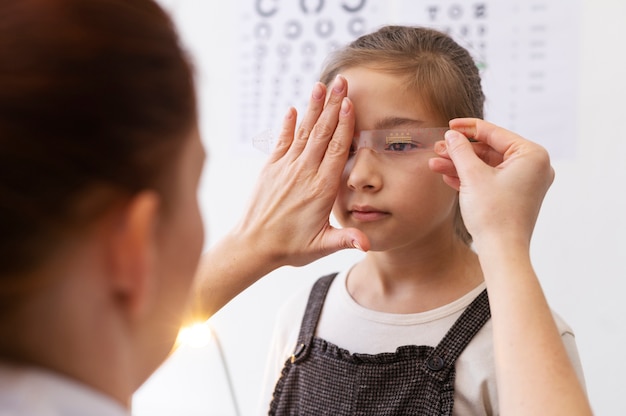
column 264, row 141
column 398, row 142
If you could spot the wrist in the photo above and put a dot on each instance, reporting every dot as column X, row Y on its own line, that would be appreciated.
column 258, row 246
column 502, row 251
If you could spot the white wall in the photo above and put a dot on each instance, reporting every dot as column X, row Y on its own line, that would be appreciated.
column 578, row 249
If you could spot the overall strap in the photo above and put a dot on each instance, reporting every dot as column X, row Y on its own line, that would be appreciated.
column 460, row 334
column 312, row 315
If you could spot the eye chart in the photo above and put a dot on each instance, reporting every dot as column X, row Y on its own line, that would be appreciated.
column 527, row 52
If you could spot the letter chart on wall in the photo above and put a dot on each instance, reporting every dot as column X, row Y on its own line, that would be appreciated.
column 527, row 51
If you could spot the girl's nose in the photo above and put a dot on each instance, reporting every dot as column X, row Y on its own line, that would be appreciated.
column 364, row 171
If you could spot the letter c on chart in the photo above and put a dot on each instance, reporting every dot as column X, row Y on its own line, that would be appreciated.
column 266, row 10
column 354, row 9
column 307, row 10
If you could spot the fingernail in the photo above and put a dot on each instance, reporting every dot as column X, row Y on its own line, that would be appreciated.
column 339, row 83
column 450, row 136
column 356, row 245
column 290, row 113
column 440, row 147
column 345, row 105
column 318, row 91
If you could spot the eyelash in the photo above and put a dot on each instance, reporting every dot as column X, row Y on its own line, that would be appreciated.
column 411, row 145
column 393, row 147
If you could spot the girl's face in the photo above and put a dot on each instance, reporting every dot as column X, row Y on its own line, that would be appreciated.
column 392, row 195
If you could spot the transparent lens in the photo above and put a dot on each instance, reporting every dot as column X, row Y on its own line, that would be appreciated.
column 398, row 141
column 264, row 141
column 391, row 141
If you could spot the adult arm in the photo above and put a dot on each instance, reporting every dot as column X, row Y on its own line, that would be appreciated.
column 287, row 220
column 502, row 181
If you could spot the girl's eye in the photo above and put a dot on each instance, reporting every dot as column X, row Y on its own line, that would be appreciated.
column 403, row 146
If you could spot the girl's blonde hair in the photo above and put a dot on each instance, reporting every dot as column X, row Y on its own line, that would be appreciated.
column 441, row 72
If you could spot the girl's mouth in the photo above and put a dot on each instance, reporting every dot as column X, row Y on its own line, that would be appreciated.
column 366, row 214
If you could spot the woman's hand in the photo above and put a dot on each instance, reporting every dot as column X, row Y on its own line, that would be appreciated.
column 288, row 216
column 502, row 178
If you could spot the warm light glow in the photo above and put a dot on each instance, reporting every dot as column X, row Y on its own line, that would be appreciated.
column 197, row 335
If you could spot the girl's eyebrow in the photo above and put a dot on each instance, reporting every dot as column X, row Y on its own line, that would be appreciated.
column 392, row 122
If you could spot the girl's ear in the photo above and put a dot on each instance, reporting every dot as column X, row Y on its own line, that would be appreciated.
column 133, row 253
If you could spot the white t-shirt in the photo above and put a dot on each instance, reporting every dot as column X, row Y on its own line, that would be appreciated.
column 35, row 392
column 350, row 326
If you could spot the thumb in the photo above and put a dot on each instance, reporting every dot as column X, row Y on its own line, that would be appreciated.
column 462, row 154
column 342, row 238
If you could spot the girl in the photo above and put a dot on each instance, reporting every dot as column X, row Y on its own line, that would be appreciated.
column 407, row 329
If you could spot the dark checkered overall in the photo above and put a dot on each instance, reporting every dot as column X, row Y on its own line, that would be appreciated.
column 323, row 379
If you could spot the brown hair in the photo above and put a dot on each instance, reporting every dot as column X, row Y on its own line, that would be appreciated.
column 96, row 100
column 438, row 69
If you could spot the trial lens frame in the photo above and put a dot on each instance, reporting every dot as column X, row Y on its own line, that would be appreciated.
column 381, row 140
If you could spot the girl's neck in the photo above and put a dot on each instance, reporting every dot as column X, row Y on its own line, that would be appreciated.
column 401, row 283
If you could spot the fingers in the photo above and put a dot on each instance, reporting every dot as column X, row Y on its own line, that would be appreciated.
column 318, row 125
column 286, row 135
column 298, row 138
column 459, row 155
column 499, row 177
column 336, row 153
column 344, row 238
column 494, row 136
column 332, row 132
column 291, row 206
column 462, row 155
column 506, row 145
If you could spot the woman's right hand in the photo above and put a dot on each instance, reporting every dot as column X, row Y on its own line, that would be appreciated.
column 502, row 179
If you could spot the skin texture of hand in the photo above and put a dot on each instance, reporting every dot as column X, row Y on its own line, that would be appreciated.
column 287, row 220
column 502, row 180
column 503, row 174
column 291, row 206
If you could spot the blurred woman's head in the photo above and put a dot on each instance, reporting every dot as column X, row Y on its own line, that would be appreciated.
column 98, row 137
column 96, row 99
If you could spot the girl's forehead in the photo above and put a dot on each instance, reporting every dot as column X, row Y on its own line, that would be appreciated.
column 377, row 115
column 382, row 100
